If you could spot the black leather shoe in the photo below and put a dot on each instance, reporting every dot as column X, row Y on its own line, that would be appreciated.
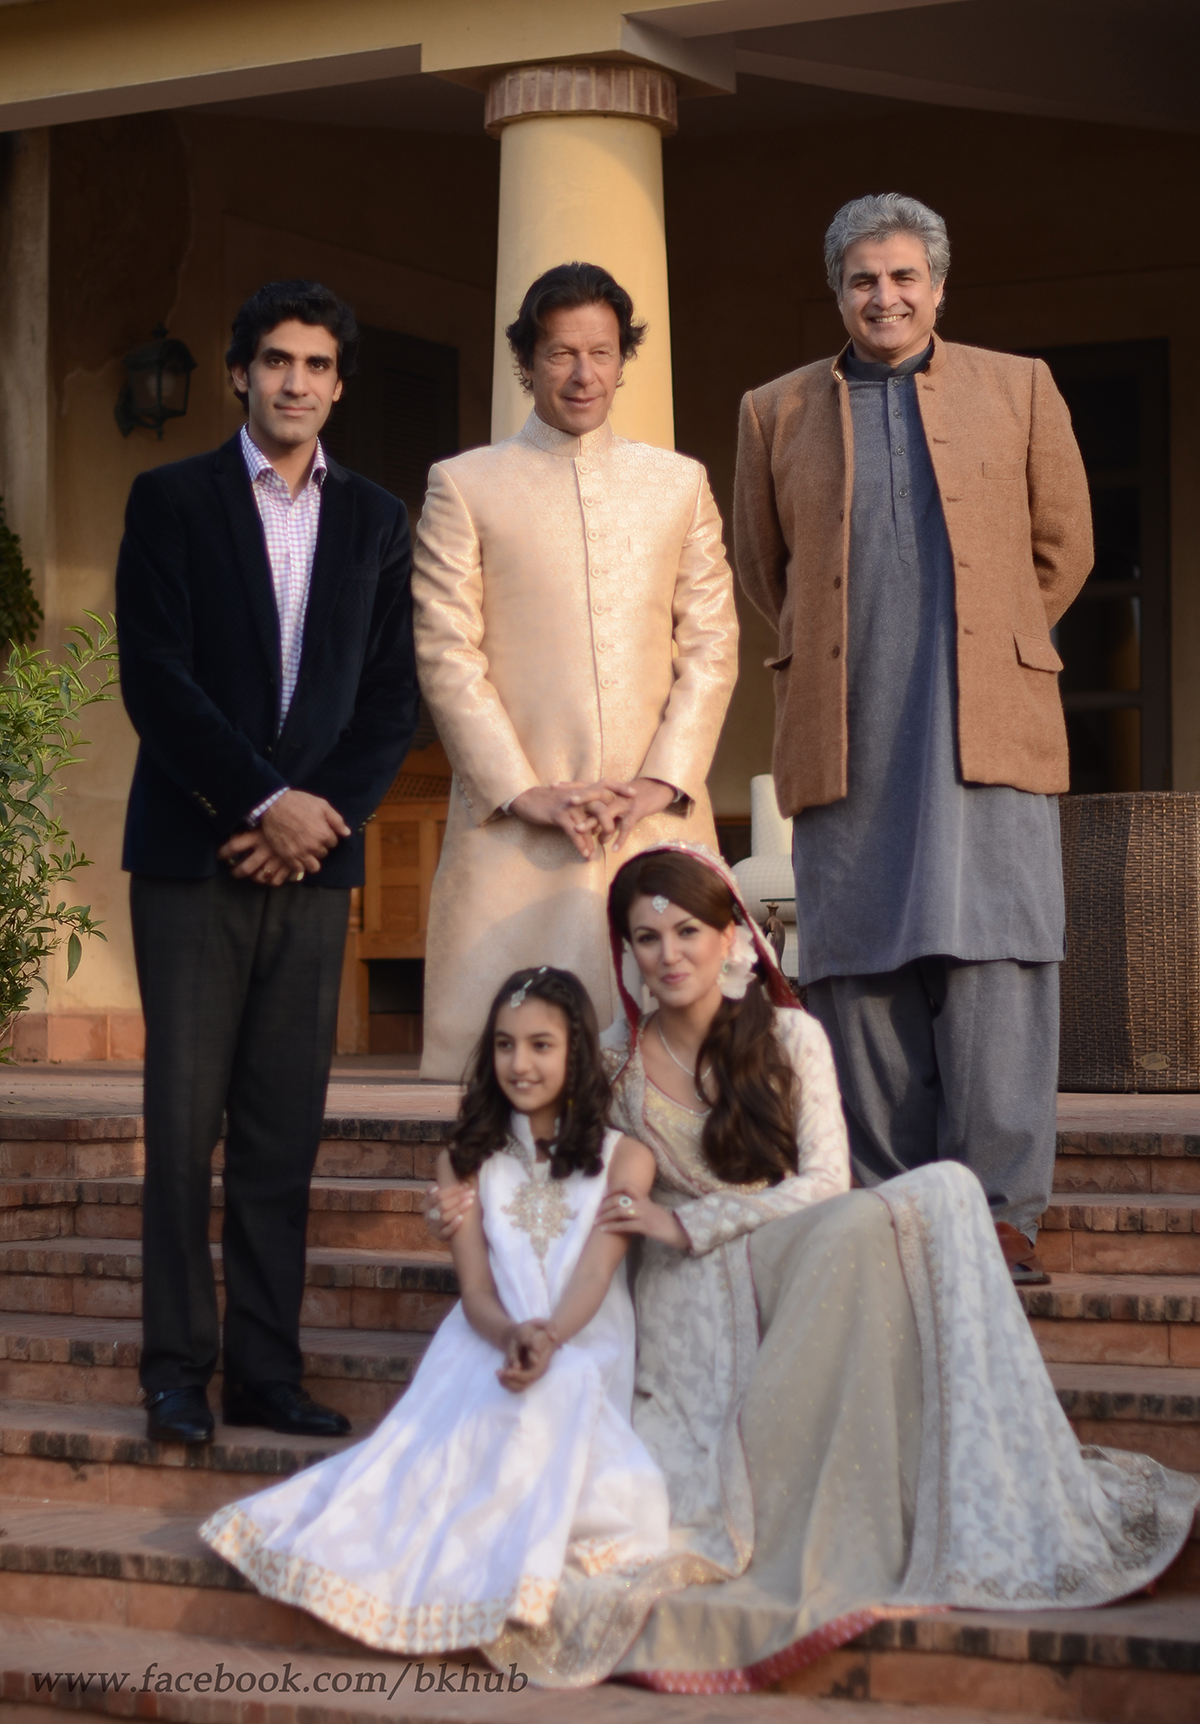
column 282, row 1407
column 179, row 1416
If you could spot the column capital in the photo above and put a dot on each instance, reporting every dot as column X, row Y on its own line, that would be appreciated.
column 615, row 87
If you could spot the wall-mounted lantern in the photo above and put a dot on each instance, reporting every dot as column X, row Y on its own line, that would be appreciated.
column 158, row 377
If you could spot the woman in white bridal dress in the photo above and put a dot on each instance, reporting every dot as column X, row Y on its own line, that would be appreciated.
column 512, row 1456
column 840, row 1387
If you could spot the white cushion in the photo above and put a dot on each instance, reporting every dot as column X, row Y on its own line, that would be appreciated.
column 767, row 879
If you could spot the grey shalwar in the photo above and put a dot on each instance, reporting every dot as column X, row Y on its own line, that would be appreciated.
column 929, row 911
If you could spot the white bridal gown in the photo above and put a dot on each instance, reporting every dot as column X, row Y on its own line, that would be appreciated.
column 460, row 1513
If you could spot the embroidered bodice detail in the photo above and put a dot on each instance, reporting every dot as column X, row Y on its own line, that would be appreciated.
column 681, row 1130
column 539, row 1207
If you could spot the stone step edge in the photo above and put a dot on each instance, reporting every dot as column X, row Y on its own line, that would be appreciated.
column 106, row 1558
column 30, row 1430
column 1142, row 1636
column 1104, row 1304
column 1168, row 1145
column 1097, row 1214
column 124, row 1191
column 326, row 1265
column 103, row 1128
column 100, row 1126
column 1003, row 1636
column 82, row 1647
column 65, row 1341
column 59, row 1341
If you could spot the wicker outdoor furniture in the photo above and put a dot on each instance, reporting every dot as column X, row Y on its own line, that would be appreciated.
column 1131, row 980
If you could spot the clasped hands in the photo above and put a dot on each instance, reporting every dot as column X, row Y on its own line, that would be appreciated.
column 593, row 813
column 528, row 1350
column 291, row 840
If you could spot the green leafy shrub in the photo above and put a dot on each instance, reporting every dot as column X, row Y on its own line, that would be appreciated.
column 40, row 704
column 20, row 612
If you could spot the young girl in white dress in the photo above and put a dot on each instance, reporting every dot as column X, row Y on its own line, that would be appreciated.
column 512, row 1457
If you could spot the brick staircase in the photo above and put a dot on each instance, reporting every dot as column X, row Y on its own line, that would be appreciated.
column 101, row 1568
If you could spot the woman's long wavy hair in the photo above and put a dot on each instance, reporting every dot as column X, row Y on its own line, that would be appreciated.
column 750, row 1131
column 483, row 1119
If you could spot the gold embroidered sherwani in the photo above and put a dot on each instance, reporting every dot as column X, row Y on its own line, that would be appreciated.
column 574, row 620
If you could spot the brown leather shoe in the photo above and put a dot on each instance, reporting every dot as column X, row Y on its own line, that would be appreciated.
column 1024, row 1264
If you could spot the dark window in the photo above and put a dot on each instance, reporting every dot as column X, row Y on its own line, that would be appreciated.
column 1115, row 639
column 399, row 413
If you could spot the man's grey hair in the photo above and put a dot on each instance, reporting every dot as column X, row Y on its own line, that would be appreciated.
column 878, row 217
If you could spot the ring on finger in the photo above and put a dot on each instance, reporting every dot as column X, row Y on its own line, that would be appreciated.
column 624, row 1203
column 435, row 1215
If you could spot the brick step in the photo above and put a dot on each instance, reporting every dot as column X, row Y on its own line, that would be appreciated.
column 363, row 1214
column 1105, row 1233
column 1152, row 1410
column 1134, row 1144
column 89, row 1361
column 1116, row 1319
column 1133, row 1663
column 85, row 1146
column 142, row 1567
column 367, row 1686
column 344, row 1289
column 101, row 1455
column 1138, row 1173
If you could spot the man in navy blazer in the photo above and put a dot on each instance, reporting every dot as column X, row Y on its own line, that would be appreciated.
column 265, row 629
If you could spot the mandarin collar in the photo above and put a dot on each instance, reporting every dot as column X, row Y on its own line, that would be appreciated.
column 555, row 442
column 935, row 363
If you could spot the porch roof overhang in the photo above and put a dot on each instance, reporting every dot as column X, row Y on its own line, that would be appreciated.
column 1125, row 62
column 65, row 60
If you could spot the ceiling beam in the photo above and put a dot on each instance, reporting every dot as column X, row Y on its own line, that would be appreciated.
column 868, row 81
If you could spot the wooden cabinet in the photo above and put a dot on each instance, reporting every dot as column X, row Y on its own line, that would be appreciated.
column 389, row 915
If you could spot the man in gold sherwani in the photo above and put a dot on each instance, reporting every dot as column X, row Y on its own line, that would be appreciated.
column 577, row 646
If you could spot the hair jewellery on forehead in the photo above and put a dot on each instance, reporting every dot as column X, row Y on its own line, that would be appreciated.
column 659, row 904
column 517, row 997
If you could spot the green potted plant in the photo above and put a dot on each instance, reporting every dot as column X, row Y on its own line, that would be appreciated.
column 40, row 703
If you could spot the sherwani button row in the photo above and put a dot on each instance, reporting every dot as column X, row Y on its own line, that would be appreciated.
column 518, row 509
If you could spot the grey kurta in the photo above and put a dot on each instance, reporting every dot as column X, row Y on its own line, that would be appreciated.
column 913, row 861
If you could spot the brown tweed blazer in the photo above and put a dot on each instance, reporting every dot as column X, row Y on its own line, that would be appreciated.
column 1016, row 505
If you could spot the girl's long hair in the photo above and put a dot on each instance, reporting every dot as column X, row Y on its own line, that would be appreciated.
column 482, row 1127
column 750, row 1131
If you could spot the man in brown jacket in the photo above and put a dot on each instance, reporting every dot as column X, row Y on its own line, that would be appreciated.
column 912, row 516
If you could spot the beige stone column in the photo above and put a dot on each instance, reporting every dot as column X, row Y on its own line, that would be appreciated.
column 581, row 180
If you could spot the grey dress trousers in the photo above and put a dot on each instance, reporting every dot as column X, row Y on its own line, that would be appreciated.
column 929, row 911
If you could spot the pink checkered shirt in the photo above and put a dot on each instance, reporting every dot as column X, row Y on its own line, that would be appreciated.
column 290, row 529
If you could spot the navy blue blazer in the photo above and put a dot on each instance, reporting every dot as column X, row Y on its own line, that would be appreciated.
column 201, row 664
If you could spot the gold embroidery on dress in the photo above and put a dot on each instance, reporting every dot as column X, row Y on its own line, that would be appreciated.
column 682, row 1131
column 539, row 1207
